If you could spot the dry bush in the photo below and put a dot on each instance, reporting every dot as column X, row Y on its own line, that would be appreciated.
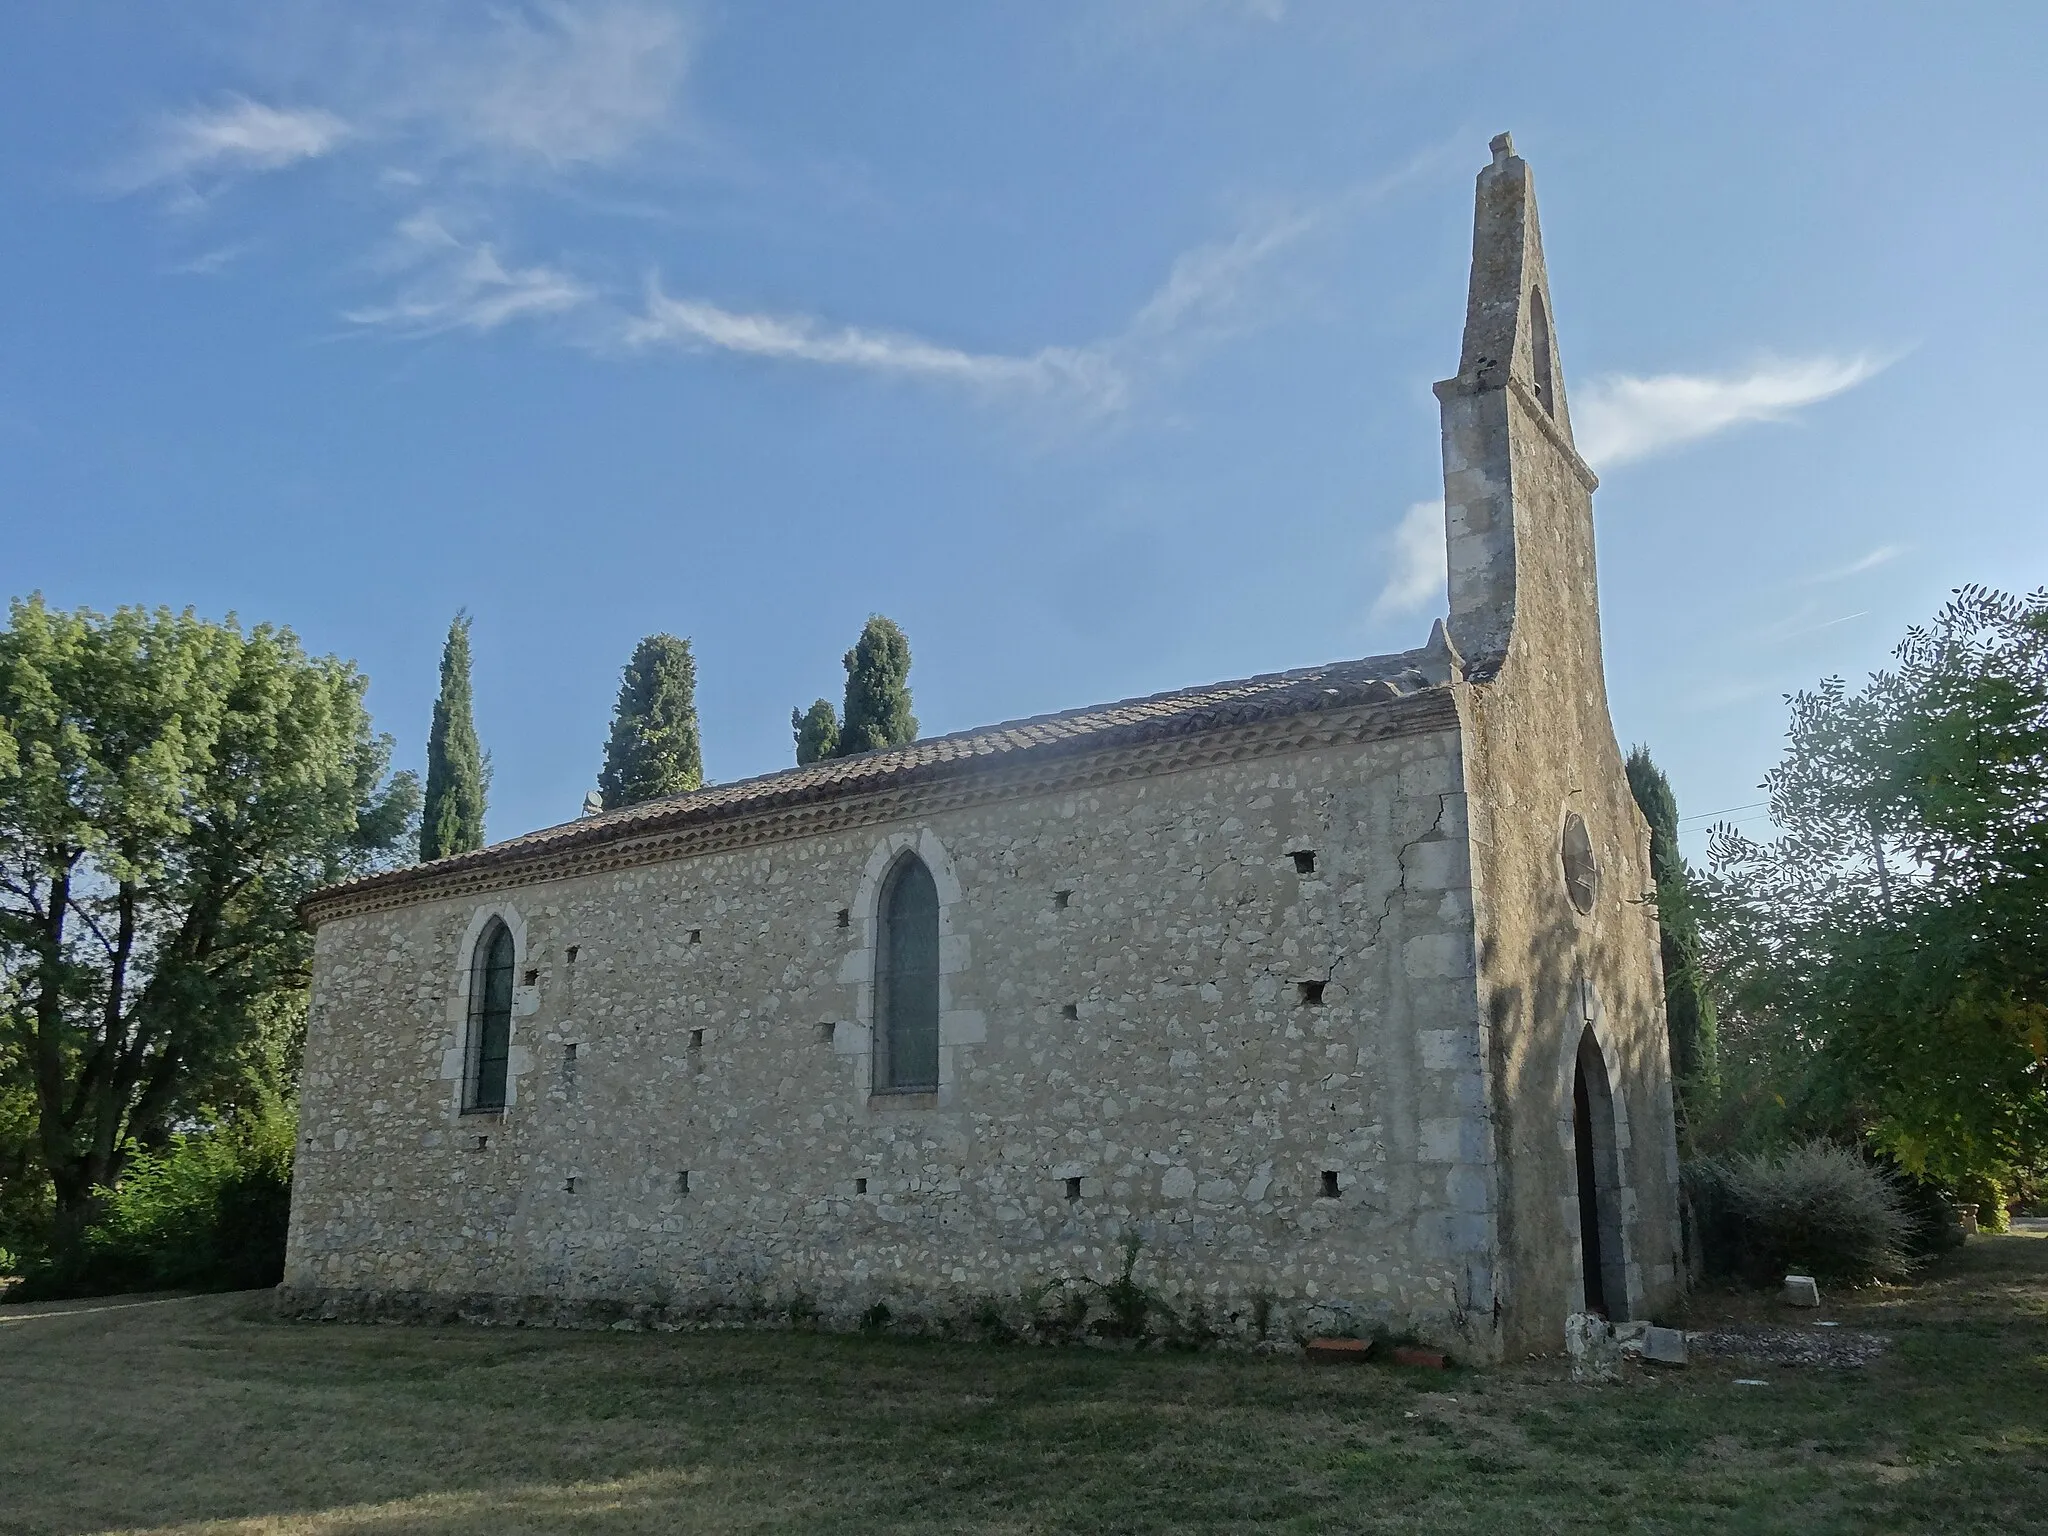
column 1816, row 1209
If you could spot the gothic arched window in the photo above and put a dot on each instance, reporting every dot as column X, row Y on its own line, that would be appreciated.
column 490, row 1019
column 907, row 981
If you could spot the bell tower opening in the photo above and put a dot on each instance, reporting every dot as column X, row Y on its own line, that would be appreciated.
column 1542, row 359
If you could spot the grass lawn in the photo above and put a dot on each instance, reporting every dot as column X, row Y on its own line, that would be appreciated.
column 205, row 1415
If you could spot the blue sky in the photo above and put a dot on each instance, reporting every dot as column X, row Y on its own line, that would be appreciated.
column 1091, row 342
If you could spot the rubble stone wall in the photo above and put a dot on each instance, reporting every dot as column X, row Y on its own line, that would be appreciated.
column 1148, row 1035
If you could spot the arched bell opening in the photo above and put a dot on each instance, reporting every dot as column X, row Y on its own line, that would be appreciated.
column 1543, row 360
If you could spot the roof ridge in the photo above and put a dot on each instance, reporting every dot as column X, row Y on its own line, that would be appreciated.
column 626, row 813
column 1178, row 711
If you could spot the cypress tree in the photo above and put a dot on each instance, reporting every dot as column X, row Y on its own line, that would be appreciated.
column 1688, row 1011
column 458, row 773
column 817, row 732
column 877, row 712
column 654, row 750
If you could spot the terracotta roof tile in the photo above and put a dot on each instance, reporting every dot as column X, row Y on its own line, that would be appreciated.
column 1128, row 722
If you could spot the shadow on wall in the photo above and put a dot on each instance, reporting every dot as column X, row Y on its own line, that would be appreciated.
column 1573, row 1069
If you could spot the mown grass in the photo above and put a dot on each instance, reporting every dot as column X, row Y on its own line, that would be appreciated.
column 206, row 1415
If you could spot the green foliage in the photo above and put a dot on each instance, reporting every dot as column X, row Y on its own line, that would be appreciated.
column 1117, row 1308
column 877, row 712
column 817, row 732
column 1815, row 1209
column 169, row 790
column 1884, row 953
column 24, row 1186
column 207, row 1213
column 458, row 772
column 1688, row 1010
column 653, row 750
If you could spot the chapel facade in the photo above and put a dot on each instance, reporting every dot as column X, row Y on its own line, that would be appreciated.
column 1336, row 989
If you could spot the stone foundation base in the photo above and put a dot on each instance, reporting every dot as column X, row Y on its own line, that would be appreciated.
column 1074, row 1318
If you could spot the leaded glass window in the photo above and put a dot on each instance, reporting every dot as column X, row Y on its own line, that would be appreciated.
column 490, row 1019
column 907, row 982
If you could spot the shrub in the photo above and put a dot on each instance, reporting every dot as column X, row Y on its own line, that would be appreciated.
column 1934, row 1224
column 1816, row 1209
column 208, row 1213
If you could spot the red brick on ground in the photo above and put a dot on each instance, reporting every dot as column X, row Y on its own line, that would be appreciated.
column 1415, row 1354
column 1339, row 1351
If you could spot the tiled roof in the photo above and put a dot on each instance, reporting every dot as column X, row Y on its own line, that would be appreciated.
column 1184, row 712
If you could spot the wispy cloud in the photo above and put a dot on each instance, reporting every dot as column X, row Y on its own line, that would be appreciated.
column 1203, row 290
column 208, row 263
column 1418, row 576
column 1208, row 283
column 1620, row 418
column 556, row 84
column 464, row 286
column 239, row 135
column 553, row 85
column 470, row 109
column 692, row 323
column 1884, row 554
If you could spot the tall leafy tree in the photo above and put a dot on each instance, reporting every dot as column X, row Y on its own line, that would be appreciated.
column 877, row 712
column 817, row 732
column 653, row 750
column 1894, row 929
column 458, row 773
column 169, row 790
column 1688, row 1010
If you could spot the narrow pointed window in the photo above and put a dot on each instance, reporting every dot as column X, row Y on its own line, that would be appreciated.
column 490, row 1019
column 907, row 982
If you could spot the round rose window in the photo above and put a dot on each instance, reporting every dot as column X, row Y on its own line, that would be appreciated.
column 1581, row 869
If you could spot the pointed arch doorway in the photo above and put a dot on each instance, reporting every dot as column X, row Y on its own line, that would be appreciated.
column 1602, row 1264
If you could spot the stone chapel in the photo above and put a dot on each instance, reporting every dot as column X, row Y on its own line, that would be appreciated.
column 1337, row 989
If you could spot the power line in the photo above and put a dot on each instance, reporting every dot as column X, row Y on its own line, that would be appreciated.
column 1708, row 815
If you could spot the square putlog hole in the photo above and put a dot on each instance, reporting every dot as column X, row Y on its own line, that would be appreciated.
column 860, row 1186
column 1311, row 993
column 1329, row 1191
column 1062, row 899
column 1070, row 1010
column 1073, row 1189
column 1304, row 861
column 846, row 917
column 825, row 1033
column 696, row 935
column 683, row 1182
column 696, row 1039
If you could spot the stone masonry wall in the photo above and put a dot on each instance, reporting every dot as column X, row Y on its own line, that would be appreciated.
column 1147, row 1037
column 1540, row 748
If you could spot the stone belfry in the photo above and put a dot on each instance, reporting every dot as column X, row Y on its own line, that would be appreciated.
column 1517, row 496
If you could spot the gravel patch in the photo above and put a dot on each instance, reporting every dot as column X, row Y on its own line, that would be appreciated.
column 1837, row 1348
